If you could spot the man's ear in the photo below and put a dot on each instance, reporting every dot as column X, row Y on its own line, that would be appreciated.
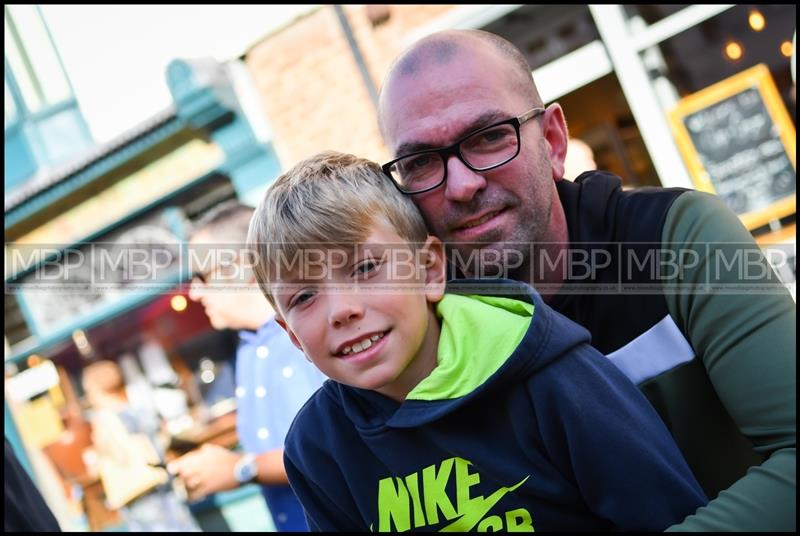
column 292, row 337
column 554, row 130
column 432, row 257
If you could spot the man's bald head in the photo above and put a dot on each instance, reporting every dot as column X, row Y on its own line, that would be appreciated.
column 443, row 48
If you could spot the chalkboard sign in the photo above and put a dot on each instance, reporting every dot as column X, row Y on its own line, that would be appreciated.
column 738, row 142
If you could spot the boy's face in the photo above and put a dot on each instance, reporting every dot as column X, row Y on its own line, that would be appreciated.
column 365, row 317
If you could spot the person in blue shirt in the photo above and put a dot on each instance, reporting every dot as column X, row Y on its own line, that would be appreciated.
column 273, row 378
column 475, row 407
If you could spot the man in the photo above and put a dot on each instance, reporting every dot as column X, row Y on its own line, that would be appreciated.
column 273, row 378
column 719, row 367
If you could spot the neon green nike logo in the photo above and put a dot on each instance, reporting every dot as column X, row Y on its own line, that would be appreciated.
column 479, row 507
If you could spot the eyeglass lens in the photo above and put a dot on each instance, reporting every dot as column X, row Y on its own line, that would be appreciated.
column 484, row 149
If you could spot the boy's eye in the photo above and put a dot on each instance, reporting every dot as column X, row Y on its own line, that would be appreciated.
column 301, row 297
column 366, row 267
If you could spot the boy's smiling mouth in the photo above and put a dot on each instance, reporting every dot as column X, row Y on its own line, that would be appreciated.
column 356, row 346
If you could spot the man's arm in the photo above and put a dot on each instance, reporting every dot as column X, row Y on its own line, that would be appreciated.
column 210, row 469
column 743, row 331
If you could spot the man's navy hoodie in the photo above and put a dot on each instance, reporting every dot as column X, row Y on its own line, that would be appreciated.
column 521, row 426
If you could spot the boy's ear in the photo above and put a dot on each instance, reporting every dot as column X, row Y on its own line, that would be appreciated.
column 282, row 323
column 435, row 269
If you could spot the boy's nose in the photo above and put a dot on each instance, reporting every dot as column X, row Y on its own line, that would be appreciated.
column 344, row 309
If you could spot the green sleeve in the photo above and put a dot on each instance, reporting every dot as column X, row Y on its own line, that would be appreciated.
column 742, row 328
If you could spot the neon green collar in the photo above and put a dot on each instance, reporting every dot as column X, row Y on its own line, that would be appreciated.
column 478, row 335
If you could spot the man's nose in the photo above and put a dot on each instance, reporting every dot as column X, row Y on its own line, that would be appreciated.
column 344, row 309
column 462, row 183
column 195, row 290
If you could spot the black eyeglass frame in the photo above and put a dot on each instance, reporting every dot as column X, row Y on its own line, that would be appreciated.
column 205, row 276
column 454, row 149
column 202, row 277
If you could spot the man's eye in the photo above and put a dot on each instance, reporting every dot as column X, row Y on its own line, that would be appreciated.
column 493, row 136
column 419, row 162
column 487, row 140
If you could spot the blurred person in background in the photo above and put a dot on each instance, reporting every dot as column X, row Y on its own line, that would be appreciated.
column 273, row 378
column 129, row 457
column 580, row 158
column 25, row 509
column 483, row 159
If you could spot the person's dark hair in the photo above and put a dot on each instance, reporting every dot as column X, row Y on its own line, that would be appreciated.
column 230, row 219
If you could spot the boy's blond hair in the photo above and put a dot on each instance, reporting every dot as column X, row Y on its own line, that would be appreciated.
column 332, row 199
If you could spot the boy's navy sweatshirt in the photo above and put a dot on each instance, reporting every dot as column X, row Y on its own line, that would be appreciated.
column 521, row 426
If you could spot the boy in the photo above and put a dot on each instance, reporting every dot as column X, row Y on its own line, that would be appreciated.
column 445, row 411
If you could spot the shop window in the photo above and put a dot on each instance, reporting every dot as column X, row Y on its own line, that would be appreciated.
column 546, row 32
column 678, row 70
column 610, row 131
column 736, row 151
column 652, row 13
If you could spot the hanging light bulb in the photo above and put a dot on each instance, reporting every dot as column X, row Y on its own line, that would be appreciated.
column 756, row 20
column 733, row 50
column 786, row 49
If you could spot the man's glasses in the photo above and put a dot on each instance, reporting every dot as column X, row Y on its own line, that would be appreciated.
column 201, row 277
column 485, row 149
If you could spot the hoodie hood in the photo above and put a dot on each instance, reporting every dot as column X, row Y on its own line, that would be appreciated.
column 471, row 325
column 493, row 334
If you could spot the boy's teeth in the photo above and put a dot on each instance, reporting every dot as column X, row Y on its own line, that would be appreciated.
column 360, row 346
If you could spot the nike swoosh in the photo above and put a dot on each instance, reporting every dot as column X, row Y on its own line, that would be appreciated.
column 479, row 508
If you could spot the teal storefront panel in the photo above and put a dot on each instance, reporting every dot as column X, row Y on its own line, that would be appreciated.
column 18, row 161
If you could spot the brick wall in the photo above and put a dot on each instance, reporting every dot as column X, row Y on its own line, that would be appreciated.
column 311, row 88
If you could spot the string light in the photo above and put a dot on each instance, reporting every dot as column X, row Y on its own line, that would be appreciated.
column 756, row 20
column 786, row 49
column 733, row 50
